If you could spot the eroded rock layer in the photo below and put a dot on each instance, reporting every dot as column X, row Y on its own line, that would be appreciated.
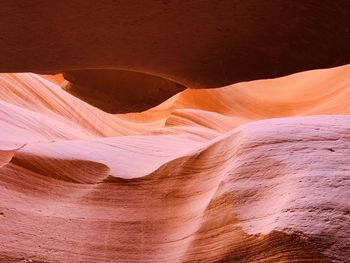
column 252, row 172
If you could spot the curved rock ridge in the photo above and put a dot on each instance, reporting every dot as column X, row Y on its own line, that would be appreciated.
column 234, row 174
column 117, row 91
column 7, row 151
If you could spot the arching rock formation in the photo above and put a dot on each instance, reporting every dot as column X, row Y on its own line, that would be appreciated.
column 117, row 91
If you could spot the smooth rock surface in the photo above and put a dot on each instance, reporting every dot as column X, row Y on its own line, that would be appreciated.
column 253, row 172
column 197, row 43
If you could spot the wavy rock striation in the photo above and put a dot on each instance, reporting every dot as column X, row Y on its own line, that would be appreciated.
column 252, row 172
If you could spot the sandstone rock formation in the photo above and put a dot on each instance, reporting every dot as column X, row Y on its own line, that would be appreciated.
column 111, row 150
column 252, row 172
column 197, row 43
column 117, row 91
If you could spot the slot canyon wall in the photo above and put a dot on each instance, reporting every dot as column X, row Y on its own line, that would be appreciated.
column 170, row 131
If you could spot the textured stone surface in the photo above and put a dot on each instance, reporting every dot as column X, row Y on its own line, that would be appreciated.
column 129, row 56
column 252, row 172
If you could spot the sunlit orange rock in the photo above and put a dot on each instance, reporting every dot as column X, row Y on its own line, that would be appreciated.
column 252, row 172
column 158, row 131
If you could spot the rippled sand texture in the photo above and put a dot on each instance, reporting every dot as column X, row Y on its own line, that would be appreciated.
column 252, row 172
